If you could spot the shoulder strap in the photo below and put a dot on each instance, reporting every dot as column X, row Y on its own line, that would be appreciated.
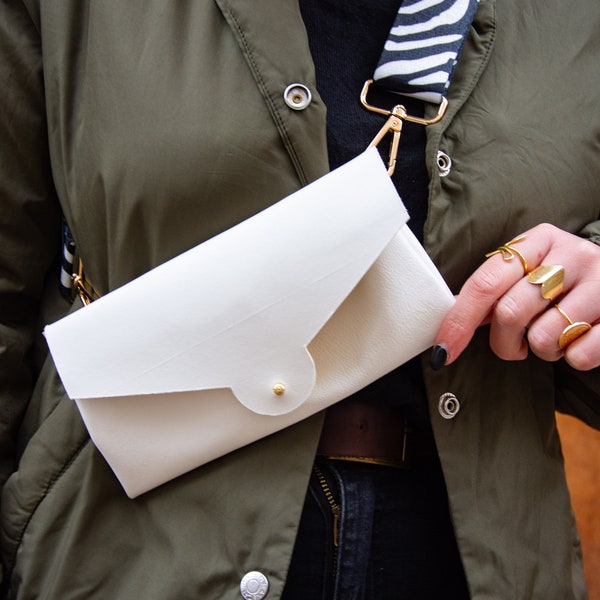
column 423, row 46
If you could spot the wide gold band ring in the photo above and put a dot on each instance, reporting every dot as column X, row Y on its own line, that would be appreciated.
column 550, row 278
column 508, row 252
column 572, row 331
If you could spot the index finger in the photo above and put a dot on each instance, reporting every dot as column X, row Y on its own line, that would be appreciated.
column 480, row 293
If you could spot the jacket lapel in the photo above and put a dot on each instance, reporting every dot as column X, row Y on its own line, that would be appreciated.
column 277, row 63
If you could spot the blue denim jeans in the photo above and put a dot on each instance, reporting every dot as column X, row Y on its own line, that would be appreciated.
column 394, row 536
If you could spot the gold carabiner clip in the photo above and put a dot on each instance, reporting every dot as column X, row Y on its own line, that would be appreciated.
column 396, row 117
column 86, row 292
column 394, row 125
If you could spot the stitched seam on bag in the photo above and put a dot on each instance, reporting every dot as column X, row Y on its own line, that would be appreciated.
column 45, row 491
column 272, row 105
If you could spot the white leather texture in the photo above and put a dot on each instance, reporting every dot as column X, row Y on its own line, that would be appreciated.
column 323, row 292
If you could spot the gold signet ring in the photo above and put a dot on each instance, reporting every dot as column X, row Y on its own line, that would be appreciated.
column 550, row 277
column 572, row 331
column 508, row 252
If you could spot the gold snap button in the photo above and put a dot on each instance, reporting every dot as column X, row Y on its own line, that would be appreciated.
column 279, row 389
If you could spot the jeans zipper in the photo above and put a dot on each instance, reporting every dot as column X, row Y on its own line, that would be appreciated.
column 335, row 507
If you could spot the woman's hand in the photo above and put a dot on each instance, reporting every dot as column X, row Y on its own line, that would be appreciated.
column 520, row 318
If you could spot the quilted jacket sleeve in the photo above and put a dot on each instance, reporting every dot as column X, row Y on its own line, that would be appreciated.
column 29, row 216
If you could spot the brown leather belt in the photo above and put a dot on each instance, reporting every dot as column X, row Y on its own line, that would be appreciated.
column 372, row 433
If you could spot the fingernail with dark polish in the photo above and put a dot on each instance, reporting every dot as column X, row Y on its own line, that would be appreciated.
column 439, row 354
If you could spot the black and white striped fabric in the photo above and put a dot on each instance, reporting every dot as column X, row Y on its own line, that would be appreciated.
column 423, row 47
column 66, row 263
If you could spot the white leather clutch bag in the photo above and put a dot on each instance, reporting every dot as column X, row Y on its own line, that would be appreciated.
column 255, row 329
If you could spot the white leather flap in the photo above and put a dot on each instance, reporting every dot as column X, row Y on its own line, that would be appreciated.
column 238, row 311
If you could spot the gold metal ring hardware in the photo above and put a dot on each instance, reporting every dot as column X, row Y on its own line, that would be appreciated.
column 396, row 117
column 86, row 292
column 405, row 116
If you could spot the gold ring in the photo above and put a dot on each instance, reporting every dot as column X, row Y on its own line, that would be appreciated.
column 572, row 331
column 508, row 252
column 550, row 277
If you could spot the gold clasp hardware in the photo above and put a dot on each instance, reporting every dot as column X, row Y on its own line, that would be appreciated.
column 84, row 289
column 393, row 124
column 396, row 117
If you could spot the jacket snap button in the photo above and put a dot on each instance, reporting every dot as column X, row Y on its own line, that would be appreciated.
column 297, row 96
column 444, row 163
column 448, row 405
column 254, row 586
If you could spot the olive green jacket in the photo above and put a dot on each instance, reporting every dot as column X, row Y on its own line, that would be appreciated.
column 153, row 126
